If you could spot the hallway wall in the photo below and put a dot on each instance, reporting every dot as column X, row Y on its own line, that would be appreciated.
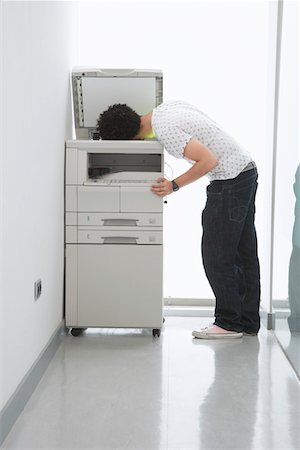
column 38, row 48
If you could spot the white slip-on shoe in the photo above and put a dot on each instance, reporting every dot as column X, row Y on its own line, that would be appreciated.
column 210, row 333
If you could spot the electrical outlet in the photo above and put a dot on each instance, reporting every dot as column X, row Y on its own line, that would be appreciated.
column 37, row 289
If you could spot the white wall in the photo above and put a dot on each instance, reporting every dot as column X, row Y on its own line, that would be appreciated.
column 38, row 48
column 213, row 54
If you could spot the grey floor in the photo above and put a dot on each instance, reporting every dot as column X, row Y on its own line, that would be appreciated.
column 118, row 389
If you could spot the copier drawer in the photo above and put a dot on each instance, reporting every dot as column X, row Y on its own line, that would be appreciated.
column 140, row 199
column 118, row 199
column 119, row 237
column 116, row 219
column 98, row 199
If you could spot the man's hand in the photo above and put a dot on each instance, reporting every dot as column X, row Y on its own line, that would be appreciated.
column 163, row 188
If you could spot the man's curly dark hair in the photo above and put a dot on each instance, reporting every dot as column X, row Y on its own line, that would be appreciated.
column 119, row 121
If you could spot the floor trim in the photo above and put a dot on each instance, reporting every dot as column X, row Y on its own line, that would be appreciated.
column 15, row 405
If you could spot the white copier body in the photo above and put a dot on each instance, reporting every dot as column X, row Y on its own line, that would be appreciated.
column 113, row 231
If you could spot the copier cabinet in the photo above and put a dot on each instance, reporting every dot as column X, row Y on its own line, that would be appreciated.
column 117, row 286
column 113, row 235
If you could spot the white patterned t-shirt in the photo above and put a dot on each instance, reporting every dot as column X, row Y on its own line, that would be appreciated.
column 176, row 122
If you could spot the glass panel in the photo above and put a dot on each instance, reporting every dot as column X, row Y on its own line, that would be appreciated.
column 286, row 275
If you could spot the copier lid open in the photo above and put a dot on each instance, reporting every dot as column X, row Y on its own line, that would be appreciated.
column 94, row 90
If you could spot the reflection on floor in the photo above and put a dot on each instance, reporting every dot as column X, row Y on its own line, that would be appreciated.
column 124, row 389
column 290, row 342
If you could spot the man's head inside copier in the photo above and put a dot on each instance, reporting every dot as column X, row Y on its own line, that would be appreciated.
column 119, row 121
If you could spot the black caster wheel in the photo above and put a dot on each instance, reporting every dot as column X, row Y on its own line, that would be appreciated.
column 77, row 331
column 156, row 332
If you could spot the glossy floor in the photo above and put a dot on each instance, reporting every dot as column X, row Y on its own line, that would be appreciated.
column 290, row 342
column 118, row 389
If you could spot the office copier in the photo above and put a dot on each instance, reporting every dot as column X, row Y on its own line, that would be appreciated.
column 113, row 222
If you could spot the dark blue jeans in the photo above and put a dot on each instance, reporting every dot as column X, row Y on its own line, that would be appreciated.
column 229, row 251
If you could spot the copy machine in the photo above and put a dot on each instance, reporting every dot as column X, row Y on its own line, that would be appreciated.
column 113, row 222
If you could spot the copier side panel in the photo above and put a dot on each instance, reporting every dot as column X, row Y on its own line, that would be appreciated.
column 71, row 285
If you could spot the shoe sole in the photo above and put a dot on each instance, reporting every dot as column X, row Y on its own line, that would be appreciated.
column 249, row 334
column 199, row 335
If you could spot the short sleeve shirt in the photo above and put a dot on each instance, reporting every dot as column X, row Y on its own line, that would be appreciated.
column 176, row 122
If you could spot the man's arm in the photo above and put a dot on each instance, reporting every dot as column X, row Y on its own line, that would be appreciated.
column 204, row 159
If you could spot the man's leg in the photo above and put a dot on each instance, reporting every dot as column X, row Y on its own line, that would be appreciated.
column 223, row 222
column 251, row 272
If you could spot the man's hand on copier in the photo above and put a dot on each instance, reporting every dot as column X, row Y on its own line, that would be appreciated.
column 164, row 187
